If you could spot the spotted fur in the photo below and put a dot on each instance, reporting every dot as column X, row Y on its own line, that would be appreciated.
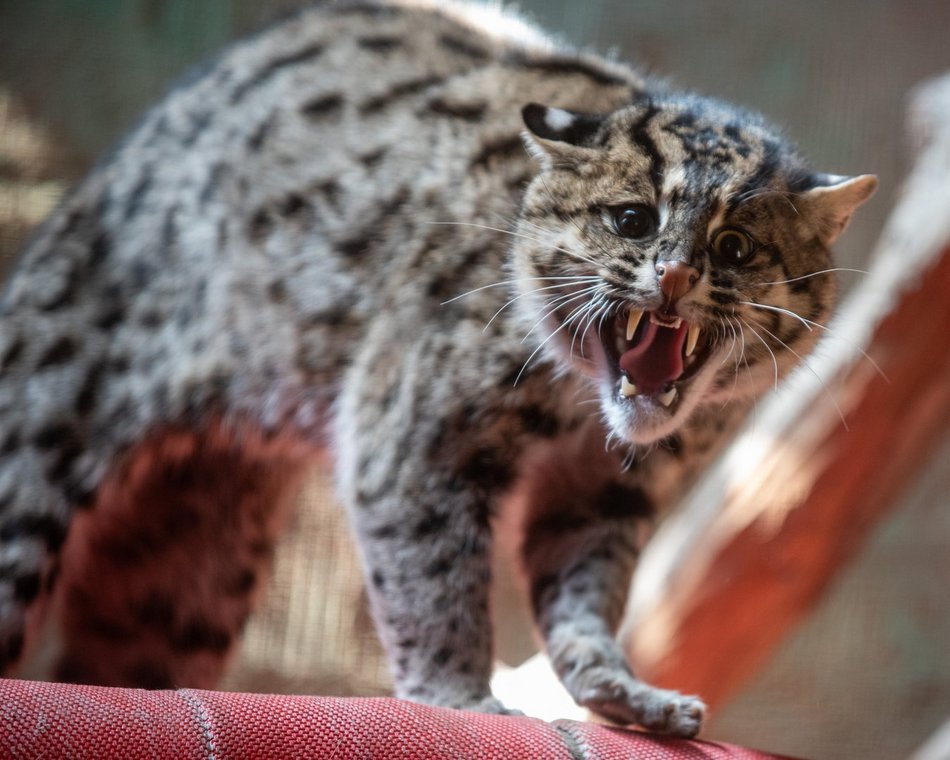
column 360, row 228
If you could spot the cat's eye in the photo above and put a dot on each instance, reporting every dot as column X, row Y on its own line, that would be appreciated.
column 636, row 222
column 733, row 246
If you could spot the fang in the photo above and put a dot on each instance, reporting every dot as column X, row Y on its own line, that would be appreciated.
column 691, row 338
column 632, row 321
column 667, row 398
column 627, row 388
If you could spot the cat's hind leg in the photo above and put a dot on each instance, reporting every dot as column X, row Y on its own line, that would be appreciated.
column 34, row 520
column 159, row 577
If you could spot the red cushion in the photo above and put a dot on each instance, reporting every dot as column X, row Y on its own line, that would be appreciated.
column 65, row 721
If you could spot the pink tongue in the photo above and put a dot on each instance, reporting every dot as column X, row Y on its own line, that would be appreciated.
column 657, row 359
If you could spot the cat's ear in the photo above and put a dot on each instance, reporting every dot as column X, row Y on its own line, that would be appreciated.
column 557, row 135
column 834, row 199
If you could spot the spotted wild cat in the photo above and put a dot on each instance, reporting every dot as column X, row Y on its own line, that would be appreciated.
column 360, row 228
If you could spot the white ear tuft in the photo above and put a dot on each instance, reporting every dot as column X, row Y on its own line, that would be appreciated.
column 559, row 120
column 558, row 135
column 561, row 125
column 832, row 203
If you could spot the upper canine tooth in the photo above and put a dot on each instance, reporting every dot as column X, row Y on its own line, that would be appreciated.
column 632, row 321
column 691, row 337
column 627, row 388
column 667, row 398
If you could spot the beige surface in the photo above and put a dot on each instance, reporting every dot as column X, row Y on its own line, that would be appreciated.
column 312, row 633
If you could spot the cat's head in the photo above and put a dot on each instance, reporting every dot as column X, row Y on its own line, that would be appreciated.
column 676, row 252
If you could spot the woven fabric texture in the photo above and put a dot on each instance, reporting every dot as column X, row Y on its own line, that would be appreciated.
column 65, row 721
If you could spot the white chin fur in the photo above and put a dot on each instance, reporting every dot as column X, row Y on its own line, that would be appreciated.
column 643, row 421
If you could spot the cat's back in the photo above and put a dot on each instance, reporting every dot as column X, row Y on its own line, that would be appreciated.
column 326, row 122
column 345, row 160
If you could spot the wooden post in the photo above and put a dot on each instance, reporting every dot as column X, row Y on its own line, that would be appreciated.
column 761, row 536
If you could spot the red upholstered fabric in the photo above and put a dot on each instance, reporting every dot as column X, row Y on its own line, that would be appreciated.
column 65, row 721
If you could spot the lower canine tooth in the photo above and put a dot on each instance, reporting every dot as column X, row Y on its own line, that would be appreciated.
column 667, row 398
column 627, row 388
column 691, row 337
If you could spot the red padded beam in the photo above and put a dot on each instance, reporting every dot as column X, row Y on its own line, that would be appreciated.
column 65, row 721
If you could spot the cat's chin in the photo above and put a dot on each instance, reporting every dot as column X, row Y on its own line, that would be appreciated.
column 643, row 418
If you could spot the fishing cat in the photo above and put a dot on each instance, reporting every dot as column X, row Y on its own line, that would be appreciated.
column 361, row 228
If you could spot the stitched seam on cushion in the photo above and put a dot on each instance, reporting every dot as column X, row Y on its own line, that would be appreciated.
column 572, row 743
column 204, row 722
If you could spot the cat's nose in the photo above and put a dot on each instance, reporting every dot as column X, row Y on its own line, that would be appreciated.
column 676, row 279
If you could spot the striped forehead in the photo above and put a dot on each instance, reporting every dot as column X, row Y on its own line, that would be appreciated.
column 705, row 164
column 686, row 185
column 682, row 186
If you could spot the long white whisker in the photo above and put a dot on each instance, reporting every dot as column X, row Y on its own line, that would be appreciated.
column 856, row 348
column 592, row 306
column 748, row 369
column 575, row 278
column 767, row 347
column 600, row 309
column 573, row 254
column 809, row 323
column 541, row 345
column 779, row 310
column 739, row 337
column 824, row 387
column 573, row 221
column 742, row 351
column 739, row 359
column 732, row 348
column 528, row 293
column 807, row 276
column 555, row 303
column 585, row 317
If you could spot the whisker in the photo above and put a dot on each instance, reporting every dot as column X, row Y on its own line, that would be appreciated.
column 556, row 303
column 779, row 310
column 827, row 392
column 767, row 348
column 629, row 459
column 528, row 293
column 547, row 191
column 809, row 323
column 598, row 315
column 566, row 251
column 592, row 307
column 541, row 345
column 575, row 278
column 807, row 276
column 732, row 348
column 744, row 359
column 748, row 369
column 737, row 336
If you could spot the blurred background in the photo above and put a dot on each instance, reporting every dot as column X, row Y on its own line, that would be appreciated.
column 867, row 674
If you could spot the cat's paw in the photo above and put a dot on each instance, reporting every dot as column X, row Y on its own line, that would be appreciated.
column 461, row 701
column 623, row 699
column 491, row 705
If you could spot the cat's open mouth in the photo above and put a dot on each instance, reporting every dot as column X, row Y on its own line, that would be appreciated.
column 654, row 354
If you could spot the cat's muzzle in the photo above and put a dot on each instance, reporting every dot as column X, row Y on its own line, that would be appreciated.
column 654, row 354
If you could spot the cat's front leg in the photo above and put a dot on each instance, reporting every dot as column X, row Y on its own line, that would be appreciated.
column 579, row 552
column 425, row 548
column 418, row 493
